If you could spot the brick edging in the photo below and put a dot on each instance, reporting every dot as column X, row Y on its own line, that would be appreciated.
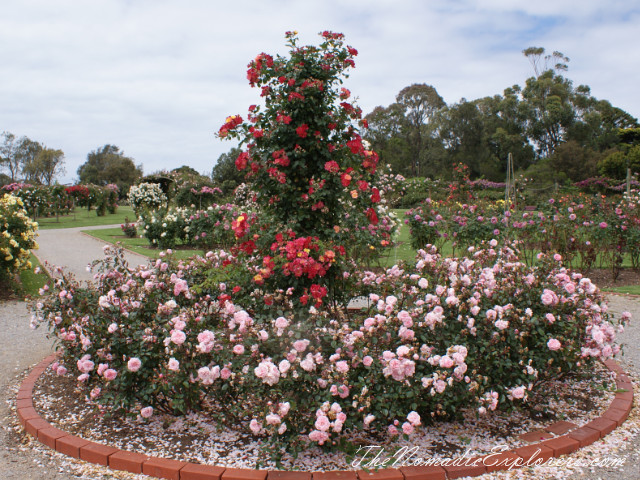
column 558, row 439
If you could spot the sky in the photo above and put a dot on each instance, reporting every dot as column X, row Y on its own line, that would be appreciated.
column 157, row 78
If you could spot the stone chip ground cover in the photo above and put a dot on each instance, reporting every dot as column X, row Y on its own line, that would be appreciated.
column 197, row 438
column 613, row 447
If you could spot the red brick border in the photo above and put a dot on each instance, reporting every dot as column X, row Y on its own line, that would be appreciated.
column 557, row 439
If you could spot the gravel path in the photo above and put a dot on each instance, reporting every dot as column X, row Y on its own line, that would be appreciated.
column 21, row 348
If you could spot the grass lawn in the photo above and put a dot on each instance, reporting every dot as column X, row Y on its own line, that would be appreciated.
column 138, row 245
column 632, row 289
column 32, row 282
column 84, row 218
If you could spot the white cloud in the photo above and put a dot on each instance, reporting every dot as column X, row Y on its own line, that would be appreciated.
column 157, row 78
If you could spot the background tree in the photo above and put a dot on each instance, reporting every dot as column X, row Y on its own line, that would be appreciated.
column 420, row 103
column 27, row 155
column 48, row 164
column 186, row 170
column 8, row 158
column 225, row 174
column 108, row 164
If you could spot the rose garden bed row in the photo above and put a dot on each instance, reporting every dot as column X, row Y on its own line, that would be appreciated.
column 559, row 438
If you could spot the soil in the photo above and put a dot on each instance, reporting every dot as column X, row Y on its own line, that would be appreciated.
column 604, row 277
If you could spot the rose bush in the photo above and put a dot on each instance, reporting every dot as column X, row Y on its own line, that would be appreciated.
column 481, row 331
column 17, row 236
column 587, row 231
column 146, row 196
column 205, row 229
column 306, row 161
column 263, row 329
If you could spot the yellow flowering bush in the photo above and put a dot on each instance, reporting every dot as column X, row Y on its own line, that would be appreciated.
column 17, row 236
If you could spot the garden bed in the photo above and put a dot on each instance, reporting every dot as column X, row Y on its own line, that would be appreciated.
column 202, row 437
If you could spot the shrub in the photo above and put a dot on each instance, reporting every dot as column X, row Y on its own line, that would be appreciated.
column 482, row 331
column 130, row 230
column 17, row 236
column 146, row 196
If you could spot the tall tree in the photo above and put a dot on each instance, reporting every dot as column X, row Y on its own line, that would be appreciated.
column 420, row 103
column 551, row 106
column 45, row 166
column 27, row 156
column 225, row 173
column 386, row 136
column 8, row 157
column 542, row 63
column 108, row 164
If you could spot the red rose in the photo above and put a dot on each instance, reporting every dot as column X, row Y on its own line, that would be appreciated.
column 241, row 161
column 372, row 216
column 332, row 166
column 302, row 130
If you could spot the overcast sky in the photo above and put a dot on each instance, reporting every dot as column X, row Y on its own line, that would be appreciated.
column 158, row 77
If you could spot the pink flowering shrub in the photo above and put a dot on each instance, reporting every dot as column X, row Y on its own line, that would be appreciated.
column 264, row 331
column 481, row 331
column 587, row 231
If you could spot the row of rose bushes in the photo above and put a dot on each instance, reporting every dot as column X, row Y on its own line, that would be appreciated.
column 592, row 230
column 47, row 201
column 170, row 226
column 213, row 227
column 17, row 236
column 439, row 337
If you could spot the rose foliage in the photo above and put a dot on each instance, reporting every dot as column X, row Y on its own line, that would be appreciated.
column 440, row 336
column 263, row 330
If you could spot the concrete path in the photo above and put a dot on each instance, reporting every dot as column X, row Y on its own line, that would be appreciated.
column 70, row 248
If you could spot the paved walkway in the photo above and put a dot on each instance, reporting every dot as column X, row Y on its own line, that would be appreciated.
column 69, row 248
column 21, row 347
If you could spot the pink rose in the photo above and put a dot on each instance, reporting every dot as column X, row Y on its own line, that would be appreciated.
column 318, row 436
column 368, row 419
column 300, row 345
column 284, row 366
column 548, row 297
column 367, row 361
column 178, row 337
column 146, row 412
column 518, row 392
column 273, row 419
column 407, row 428
column 283, row 408
column 281, row 323
column 133, row 365
column 554, row 345
column 414, row 418
column 255, row 426
column 173, row 365
column 446, row 362
column 238, row 349
column 322, row 423
column 342, row 366
column 110, row 374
